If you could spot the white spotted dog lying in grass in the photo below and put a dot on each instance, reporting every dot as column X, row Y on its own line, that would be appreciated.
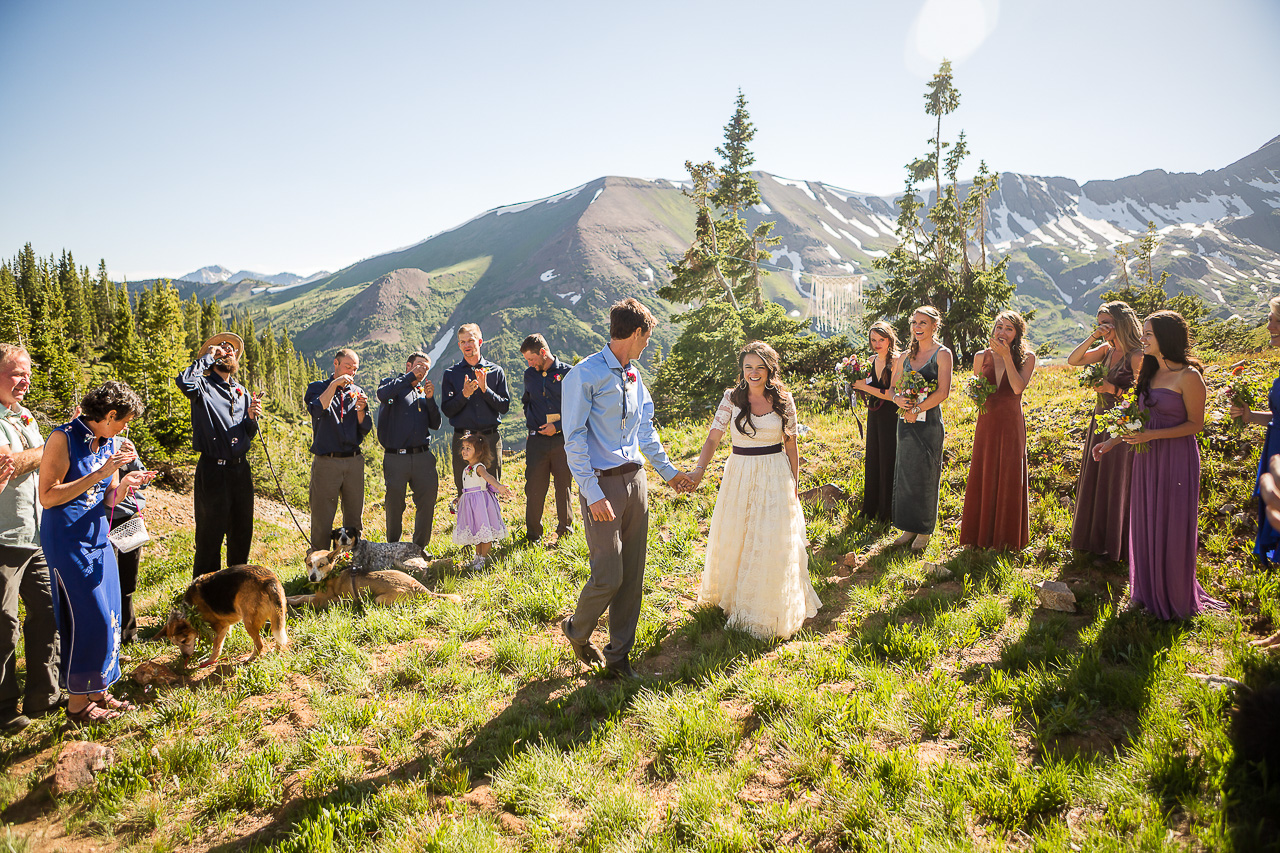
column 374, row 566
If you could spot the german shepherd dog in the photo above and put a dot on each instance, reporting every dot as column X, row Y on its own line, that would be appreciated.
column 375, row 566
column 246, row 593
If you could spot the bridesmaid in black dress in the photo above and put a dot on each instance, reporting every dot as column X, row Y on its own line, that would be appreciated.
column 882, row 425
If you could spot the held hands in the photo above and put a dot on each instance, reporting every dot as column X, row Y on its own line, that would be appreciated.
column 682, row 483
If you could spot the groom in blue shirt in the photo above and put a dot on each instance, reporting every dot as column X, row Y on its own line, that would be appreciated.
column 607, row 416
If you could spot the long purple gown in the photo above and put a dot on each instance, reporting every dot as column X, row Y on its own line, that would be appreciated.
column 1163, row 507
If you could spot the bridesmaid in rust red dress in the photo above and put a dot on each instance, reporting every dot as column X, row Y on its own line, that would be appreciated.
column 995, row 497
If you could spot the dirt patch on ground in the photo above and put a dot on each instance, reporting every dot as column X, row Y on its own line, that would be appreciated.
column 167, row 510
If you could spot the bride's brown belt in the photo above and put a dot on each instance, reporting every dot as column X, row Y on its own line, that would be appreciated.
column 757, row 451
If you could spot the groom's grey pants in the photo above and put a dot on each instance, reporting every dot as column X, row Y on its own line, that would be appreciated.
column 617, row 564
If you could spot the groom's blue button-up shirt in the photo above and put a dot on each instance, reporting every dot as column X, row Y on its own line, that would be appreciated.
column 608, row 421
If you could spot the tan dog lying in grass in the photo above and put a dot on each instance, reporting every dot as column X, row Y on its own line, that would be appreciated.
column 249, row 594
column 386, row 585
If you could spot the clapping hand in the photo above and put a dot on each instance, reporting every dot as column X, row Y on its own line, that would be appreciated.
column 137, row 479
column 7, row 467
column 469, row 387
column 482, row 378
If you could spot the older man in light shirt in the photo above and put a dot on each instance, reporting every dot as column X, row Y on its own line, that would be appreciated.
column 608, row 423
column 23, row 572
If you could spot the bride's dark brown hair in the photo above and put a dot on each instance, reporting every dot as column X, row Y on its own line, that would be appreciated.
column 774, row 390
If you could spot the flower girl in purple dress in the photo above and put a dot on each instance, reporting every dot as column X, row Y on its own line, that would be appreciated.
column 479, row 516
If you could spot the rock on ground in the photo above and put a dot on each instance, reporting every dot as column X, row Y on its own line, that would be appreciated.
column 1056, row 595
column 78, row 763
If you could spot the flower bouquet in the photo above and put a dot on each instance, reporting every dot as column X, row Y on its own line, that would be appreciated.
column 852, row 368
column 1240, row 393
column 915, row 388
column 1092, row 375
column 1125, row 418
column 978, row 389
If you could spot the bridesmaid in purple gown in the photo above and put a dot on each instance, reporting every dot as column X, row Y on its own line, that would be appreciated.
column 1165, row 498
column 1101, row 522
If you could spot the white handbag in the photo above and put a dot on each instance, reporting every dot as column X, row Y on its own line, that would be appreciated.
column 130, row 536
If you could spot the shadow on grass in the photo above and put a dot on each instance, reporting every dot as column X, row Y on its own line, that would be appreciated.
column 1251, row 789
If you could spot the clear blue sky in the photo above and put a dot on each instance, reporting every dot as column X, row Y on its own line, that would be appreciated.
column 280, row 135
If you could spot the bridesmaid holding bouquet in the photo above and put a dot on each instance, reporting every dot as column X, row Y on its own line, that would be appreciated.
column 1165, row 501
column 1101, row 523
column 1266, row 546
column 917, row 474
column 882, row 425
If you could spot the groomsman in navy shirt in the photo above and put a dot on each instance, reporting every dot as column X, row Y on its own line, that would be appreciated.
column 475, row 399
column 544, row 453
column 339, row 422
column 406, row 416
column 224, row 421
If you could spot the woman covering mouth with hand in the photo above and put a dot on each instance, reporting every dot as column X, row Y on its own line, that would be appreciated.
column 995, row 496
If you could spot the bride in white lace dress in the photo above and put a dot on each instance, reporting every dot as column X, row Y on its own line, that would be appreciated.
column 757, row 563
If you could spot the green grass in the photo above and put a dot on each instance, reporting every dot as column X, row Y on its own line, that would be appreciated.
column 912, row 713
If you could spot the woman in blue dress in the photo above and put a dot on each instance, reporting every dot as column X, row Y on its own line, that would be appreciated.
column 1268, row 541
column 79, row 482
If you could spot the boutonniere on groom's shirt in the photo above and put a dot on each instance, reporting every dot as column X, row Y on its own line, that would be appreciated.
column 630, row 374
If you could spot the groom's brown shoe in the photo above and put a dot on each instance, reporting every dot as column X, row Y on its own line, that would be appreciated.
column 585, row 651
column 622, row 669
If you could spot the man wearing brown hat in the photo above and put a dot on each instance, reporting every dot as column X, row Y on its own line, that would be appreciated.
column 224, row 420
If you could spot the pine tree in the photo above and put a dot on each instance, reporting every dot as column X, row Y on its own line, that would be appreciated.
column 15, row 320
column 931, row 263
column 722, row 265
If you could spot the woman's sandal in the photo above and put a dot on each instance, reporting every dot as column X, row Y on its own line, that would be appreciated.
column 902, row 540
column 122, row 706
column 92, row 714
column 920, row 542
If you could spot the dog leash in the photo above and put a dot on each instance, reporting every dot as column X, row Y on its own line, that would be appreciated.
column 280, row 487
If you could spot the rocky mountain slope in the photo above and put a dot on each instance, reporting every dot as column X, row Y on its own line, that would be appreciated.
column 555, row 265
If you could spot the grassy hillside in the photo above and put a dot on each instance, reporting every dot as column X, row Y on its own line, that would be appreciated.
column 915, row 712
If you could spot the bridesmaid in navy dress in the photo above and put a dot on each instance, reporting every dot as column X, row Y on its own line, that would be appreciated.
column 882, row 425
column 78, row 482
column 1165, row 501
column 1268, row 541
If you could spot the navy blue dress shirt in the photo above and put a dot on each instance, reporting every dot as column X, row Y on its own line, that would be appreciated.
column 405, row 415
column 336, row 429
column 542, row 393
column 483, row 409
column 220, row 424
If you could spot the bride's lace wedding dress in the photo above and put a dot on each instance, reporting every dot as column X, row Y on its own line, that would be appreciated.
column 757, row 563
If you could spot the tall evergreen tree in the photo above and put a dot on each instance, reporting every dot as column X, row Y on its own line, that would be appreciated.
column 931, row 263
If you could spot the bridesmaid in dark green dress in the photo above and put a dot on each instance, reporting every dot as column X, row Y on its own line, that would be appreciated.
column 917, row 474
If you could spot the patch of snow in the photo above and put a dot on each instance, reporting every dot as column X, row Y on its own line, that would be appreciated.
column 831, row 250
column 837, row 214
column 1066, row 297
column 594, row 197
column 865, row 229
column 567, row 294
column 797, row 265
column 1178, row 253
column 523, row 206
column 794, row 313
column 800, row 185
column 648, row 274
column 762, row 208
column 1218, row 293
column 852, row 239
column 574, row 299
column 548, row 275
column 1226, row 259
column 828, row 229
column 886, row 224
column 1019, row 279
column 438, row 349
